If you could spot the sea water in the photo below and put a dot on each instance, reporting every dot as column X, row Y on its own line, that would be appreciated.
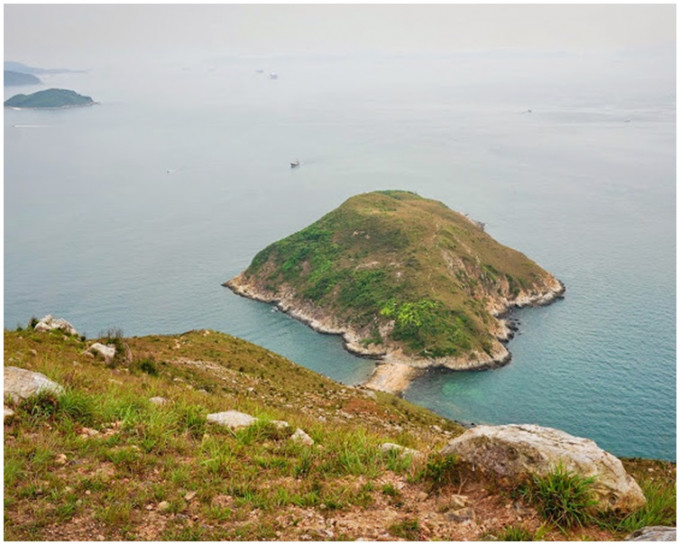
column 131, row 213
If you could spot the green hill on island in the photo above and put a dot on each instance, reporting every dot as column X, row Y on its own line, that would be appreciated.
column 402, row 277
column 49, row 98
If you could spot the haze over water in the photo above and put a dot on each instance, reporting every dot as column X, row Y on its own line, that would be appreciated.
column 131, row 213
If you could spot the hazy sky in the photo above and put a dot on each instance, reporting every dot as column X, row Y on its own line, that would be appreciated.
column 50, row 35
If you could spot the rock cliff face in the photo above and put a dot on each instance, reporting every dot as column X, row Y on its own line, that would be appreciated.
column 403, row 279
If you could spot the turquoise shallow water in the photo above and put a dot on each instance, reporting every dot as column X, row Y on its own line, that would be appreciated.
column 131, row 213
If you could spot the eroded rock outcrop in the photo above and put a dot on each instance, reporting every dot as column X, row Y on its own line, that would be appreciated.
column 514, row 452
column 48, row 323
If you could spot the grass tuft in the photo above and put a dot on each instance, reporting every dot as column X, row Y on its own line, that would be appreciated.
column 562, row 497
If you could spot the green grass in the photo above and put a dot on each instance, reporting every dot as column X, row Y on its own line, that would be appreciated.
column 562, row 497
column 144, row 454
column 408, row 529
column 245, row 482
column 518, row 532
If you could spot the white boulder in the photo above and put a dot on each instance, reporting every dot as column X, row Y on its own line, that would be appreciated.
column 21, row 383
column 107, row 351
column 48, row 323
column 301, row 437
column 387, row 447
column 515, row 452
column 231, row 419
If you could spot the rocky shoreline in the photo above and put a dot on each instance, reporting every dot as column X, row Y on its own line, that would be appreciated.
column 396, row 370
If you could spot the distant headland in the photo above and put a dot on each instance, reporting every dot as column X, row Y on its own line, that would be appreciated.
column 404, row 279
column 48, row 99
column 19, row 78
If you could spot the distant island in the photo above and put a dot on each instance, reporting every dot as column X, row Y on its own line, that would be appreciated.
column 25, row 69
column 50, row 98
column 20, row 78
column 401, row 278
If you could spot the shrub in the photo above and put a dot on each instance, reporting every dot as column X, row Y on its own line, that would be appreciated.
column 408, row 529
column 41, row 405
column 440, row 470
column 78, row 406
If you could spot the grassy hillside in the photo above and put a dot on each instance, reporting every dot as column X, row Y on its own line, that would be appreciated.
column 102, row 462
column 49, row 98
column 402, row 270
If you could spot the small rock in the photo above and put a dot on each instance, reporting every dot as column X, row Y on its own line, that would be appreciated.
column 231, row 419
column 9, row 413
column 190, row 495
column 61, row 459
column 301, row 437
column 458, row 501
column 163, row 506
column 461, row 515
column 88, row 432
column 653, row 533
column 422, row 496
column 33, row 351
column 280, row 424
column 387, row 447
column 158, row 400
column 107, row 351
column 149, row 507
column 68, row 489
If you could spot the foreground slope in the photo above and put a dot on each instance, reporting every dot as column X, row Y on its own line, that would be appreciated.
column 403, row 278
column 102, row 461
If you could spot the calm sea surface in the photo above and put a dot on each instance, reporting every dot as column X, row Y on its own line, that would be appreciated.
column 131, row 213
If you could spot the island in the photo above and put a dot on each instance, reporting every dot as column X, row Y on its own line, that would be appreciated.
column 403, row 279
column 49, row 99
column 19, row 78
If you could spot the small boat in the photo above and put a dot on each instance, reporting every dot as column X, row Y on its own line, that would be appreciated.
column 273, row 75
column 294, row 164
